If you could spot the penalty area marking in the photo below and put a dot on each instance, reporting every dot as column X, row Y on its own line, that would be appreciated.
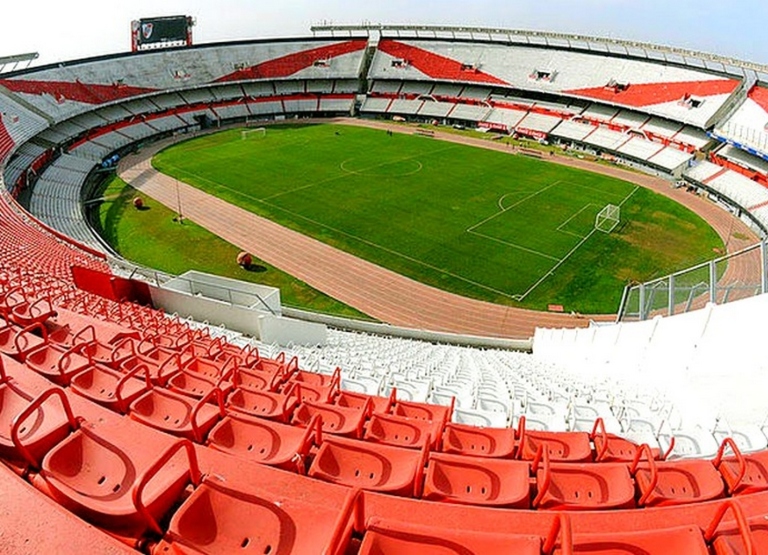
column 566, row 222
column 513, row 245
column 573, row 250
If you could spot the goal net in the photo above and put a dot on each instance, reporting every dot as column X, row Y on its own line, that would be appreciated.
column 608, row 218
column 258, row 131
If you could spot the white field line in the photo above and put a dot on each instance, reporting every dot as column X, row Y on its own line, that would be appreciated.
column 567, row 256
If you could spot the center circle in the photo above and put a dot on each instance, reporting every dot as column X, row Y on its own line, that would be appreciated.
column 395, row 168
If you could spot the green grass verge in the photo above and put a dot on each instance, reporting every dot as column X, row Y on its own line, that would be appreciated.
column 152, row 238
column 480, row 223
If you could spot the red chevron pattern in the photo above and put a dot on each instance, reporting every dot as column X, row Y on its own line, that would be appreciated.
column 435, row 65
column 648, row 94
column 293, row 63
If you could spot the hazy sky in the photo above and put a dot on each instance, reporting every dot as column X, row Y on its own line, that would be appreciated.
column 70, row 29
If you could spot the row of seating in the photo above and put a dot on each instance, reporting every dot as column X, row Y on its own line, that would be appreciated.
column 580, row 74
column 77, row 460
column 106, row 371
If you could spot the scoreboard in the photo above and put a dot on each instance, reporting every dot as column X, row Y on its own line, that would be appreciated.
column 161, row 32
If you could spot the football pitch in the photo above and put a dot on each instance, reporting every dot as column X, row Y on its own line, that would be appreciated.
column 490, row 225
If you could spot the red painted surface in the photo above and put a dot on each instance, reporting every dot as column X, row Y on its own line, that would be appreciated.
column 435, row 65
column 648, row 94
column 31, row 523
column 760, row 96
column 6, row 141
column 114, row 288
column 89, row 93
column 293, row 63
column 754, row 175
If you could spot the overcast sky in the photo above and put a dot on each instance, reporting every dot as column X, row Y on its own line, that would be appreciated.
column 80, row 28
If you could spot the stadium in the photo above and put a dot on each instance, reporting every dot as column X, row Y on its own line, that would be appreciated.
column 149, row 410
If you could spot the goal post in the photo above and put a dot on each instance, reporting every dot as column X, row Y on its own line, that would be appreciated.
column 259, row 131
column 608, row 218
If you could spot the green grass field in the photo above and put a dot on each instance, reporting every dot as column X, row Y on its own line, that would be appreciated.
column 152, row 238
column 489, row 225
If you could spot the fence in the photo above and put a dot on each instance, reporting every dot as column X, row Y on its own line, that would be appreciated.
column 732, row 277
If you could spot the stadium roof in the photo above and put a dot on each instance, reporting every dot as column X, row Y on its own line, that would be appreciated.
column 581, row 42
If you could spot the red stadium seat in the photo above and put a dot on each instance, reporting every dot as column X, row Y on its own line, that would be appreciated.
column 162, row 362
column 659, row 540
column 243, row 378
column 561, row 446
column 110, row 388
column 274, row 367
column 94, row 475
column 268, row 364
column 479, row 442
column 28, row 313
column 336, row 420
column 743, row 474
column 218, row 519
column 369, row 466
column 51, row 422
column 265, row 441
column 403, row 432
column 264, row 404
column 262, row 377
column 109, row 354
column 744, row 537
column 197, row 385
column 310, row 392
column 475, row 481
column 56, row 364
column 588, row 486
column 315, row 378
column 675, row 482
column 613, row 448
column 19, row 342
column 423, row 411
column 378, row 404
column 178, row 414
column 211, row 369
column 664, row 541
column 383, row 537
column 62, row 335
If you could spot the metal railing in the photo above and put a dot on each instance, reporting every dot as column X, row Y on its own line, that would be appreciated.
column 732, row 277
column 229, row 294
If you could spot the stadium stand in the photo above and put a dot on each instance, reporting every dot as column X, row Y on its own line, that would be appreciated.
column 172, row 436
column 685, row 95
column 747, row 124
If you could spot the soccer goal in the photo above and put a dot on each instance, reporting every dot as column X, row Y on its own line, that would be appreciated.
column 608, row 218
column 259, row 131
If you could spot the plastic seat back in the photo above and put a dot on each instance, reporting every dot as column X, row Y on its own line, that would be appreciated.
column 492, row 482
column 561, row 446
column 178, row 414
column 589, row 486
column 401, row 431
column 478, row 442
column 265, row 441
column 401, row 538
column 24, row 440
column 264, row 404
column 675, row 482
column 336, row 420
column 369, row 466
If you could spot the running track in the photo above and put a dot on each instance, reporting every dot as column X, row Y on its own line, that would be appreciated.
column 381, row 293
